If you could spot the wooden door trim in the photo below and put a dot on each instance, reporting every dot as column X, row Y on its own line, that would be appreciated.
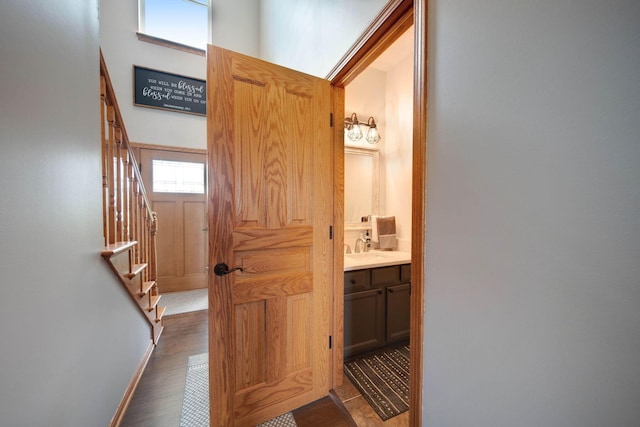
column 395, row 18
column 337, row 95
column 419, row 207
column 391, row 22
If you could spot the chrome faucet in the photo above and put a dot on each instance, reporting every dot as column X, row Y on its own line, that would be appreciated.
column 360, row 245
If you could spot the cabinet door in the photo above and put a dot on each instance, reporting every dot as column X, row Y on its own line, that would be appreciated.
column 405, row 273
column 398, row 316
column 363, row 321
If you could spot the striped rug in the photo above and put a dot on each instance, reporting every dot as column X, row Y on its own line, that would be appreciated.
column 383, row 379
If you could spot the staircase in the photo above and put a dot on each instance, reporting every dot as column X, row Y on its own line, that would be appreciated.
column 129, row 224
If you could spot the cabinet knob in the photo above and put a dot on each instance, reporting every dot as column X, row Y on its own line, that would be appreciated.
column 353, row 281
column 379, row 291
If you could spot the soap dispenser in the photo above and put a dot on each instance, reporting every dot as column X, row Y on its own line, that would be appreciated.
column 361, row 244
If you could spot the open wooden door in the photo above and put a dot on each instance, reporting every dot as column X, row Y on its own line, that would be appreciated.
column 270, row 213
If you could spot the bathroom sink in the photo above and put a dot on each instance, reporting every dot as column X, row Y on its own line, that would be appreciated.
column 374, row 258
column 365, row 255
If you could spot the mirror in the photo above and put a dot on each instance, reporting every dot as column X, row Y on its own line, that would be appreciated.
column 361, row 176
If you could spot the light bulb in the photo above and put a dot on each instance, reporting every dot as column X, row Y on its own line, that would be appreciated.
column 355, row 133
column 373, row 136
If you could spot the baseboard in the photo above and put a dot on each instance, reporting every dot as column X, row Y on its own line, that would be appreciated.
column 133, row 384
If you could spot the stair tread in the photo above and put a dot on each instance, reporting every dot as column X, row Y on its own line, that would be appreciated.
column 135, row 270
column 160, row 313
column 153, row 302
column 146, row 286
column 117, row 248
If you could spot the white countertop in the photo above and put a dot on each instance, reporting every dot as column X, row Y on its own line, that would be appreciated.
column 374, row 259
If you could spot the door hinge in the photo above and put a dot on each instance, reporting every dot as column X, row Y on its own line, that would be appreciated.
column 330, row 119
column 330, row 342
column 331, row 232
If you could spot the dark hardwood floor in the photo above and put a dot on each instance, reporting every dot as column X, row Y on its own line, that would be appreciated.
column 157, row 402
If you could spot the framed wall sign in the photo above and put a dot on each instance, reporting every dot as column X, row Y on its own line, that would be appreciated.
column 167, row 91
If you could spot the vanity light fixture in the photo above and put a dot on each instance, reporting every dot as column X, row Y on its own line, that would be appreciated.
column 373, row 136
column 352, row 125
column 354, row 132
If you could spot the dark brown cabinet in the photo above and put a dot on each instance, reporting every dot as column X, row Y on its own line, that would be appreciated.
column 376, row 308
column 398, row 306
column 364, row 325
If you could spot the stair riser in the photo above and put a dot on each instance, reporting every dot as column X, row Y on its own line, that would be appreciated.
column 121, row 262
column 147, row 302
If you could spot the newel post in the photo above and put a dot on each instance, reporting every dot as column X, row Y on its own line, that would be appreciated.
column 153, row 253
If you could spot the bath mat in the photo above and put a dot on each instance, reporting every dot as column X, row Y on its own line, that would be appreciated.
column 383, row 379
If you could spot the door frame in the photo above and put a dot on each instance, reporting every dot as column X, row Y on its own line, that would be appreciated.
column 396, row 17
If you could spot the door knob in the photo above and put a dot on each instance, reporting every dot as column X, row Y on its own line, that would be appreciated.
column 222, row 269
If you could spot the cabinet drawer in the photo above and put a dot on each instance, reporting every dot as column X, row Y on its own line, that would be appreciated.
column 385, row 275
column 356, row 280
column 405, row 273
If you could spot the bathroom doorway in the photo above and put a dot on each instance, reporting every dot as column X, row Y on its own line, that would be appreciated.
column 391, row 23
column 377, row 182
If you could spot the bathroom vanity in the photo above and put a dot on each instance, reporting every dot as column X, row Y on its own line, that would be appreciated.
column 377, row 287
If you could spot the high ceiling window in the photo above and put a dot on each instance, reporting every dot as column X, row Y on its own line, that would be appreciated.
column 181, row 21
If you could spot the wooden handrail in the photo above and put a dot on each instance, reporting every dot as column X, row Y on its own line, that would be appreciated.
column 111, row 96
column 127, row 211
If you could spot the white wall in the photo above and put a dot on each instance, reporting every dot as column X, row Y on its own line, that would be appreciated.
column 366, row 96
column 311, row 36
column 323, row 33
column 234, row 26
column 71, row 338
column 398, row 147
column 533, row 214
column 388, row 97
